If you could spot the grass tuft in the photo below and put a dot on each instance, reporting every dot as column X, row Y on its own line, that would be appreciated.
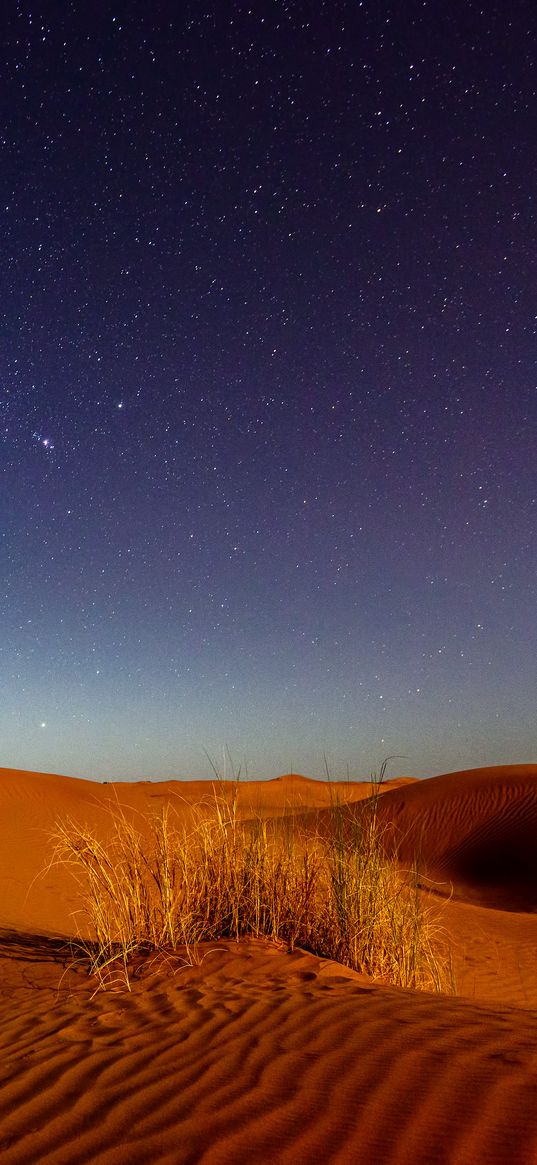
column 169, row 886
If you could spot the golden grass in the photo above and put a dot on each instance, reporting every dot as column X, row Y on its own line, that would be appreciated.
column 167, row 886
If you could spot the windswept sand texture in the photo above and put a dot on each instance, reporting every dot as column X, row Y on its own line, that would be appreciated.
column 475, row 832
column 258, row 1055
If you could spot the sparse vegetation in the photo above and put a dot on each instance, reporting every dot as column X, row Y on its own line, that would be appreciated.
column 167, row 886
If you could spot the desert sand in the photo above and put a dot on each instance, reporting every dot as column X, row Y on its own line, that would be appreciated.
column 256, row 1054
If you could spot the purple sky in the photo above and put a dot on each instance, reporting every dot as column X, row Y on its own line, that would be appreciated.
column 268, row 386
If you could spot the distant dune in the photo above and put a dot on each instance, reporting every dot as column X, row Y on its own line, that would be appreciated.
column 258, row 1055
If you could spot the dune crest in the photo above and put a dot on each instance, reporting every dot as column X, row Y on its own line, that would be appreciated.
column 474, row 832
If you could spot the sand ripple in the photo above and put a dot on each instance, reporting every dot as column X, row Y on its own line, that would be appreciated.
column 256, row 1056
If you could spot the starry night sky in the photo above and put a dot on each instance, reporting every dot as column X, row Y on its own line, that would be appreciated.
column 268, row 386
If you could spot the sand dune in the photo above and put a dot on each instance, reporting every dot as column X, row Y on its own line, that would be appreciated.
column 475, row 832
column 259, row 1055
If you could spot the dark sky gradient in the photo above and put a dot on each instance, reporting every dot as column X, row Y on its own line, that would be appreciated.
column 268, row 386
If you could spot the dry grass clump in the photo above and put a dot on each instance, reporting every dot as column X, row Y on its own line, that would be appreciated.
column 167, row 886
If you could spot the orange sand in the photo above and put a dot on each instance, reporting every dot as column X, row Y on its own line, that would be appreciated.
column 257, row 1055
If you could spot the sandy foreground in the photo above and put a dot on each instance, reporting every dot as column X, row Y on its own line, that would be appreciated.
column 256, row 1054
